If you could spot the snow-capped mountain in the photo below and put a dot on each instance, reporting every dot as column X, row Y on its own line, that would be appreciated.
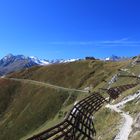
column 13, row 58
column 116, row 58
column 39, row 61
column 11, row 63
column 57, row 61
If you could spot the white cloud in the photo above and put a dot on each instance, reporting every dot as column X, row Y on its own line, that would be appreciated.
column 120, row 42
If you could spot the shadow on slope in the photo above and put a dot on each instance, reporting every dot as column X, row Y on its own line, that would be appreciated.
column 24, row 107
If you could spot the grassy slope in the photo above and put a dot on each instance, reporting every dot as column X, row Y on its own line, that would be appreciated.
column 73, row 75
column 31, row 106
column 133, row 108
column 107, row 121
column 105, row 124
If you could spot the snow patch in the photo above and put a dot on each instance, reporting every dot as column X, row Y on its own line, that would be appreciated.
column 107, row 59
column 39, row 61
column 3, row 76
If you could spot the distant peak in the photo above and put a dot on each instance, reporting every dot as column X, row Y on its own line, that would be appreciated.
column 33, row 57
column 116, row 58
column 8, row 56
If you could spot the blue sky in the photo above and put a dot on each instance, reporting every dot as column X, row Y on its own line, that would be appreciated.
column 70, row 28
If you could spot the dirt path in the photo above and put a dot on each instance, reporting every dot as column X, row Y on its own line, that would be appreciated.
column 46, row 84
column 126, row 127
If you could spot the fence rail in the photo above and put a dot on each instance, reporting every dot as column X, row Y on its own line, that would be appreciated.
column 78, row 124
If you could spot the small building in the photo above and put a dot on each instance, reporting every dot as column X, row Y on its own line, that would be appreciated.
column 90, row 58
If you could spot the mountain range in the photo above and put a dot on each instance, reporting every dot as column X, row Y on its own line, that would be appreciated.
column 116, row 58
column 38, row 98
column 11, row 63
